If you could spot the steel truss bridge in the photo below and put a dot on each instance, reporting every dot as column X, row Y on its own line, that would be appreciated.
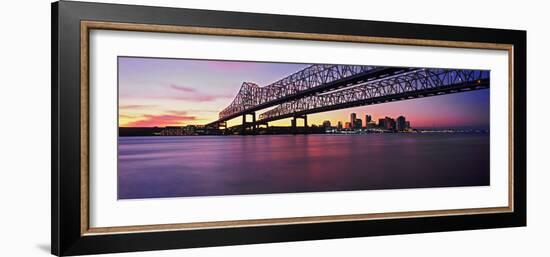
column 321, row 88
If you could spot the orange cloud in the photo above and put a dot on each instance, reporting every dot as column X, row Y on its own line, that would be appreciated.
column 176, row 118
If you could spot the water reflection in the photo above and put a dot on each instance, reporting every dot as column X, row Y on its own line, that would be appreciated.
column 217, row 165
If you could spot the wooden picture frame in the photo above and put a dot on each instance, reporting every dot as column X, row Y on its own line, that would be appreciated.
column 71, row 25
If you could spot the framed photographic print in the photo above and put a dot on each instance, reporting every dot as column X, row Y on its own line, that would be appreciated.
column 177, row 128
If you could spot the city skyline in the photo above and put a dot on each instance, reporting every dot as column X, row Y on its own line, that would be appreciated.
column 178, row 92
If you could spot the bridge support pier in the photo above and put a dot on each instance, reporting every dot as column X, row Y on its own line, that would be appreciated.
column 252, row 125
column 294, row 123
column 223, row 127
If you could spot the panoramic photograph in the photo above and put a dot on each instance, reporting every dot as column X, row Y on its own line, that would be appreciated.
column 192, row 127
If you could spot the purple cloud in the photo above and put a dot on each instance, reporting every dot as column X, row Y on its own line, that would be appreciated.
column 191, row 94
column 182, row 88
column 135, row 106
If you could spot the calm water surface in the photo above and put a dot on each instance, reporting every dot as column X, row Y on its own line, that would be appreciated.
column 228, row 165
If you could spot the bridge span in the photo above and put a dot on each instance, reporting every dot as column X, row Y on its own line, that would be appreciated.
column 321, row 88
column 314, row 79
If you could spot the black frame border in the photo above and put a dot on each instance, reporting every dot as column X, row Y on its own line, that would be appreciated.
column 66, row 238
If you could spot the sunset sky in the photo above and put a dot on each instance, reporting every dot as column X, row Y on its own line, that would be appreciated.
column 177, row 92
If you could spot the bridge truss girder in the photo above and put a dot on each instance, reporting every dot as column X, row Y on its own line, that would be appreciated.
column 411, row 84
column 251, row 95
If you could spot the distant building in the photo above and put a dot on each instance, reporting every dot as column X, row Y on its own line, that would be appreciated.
column 387, row 123
column 326, row 124
column 401, row 123
column 358, row 124
column 370, row 125
column 408, row 125
column 173, row 131
column 390, row 123
column 348, row 125
column 382, row 123
column 353, row 117
column 190, row 130
column 368, row 119
column 339, row 125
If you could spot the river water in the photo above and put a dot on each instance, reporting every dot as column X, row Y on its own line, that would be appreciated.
column 150, row 167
